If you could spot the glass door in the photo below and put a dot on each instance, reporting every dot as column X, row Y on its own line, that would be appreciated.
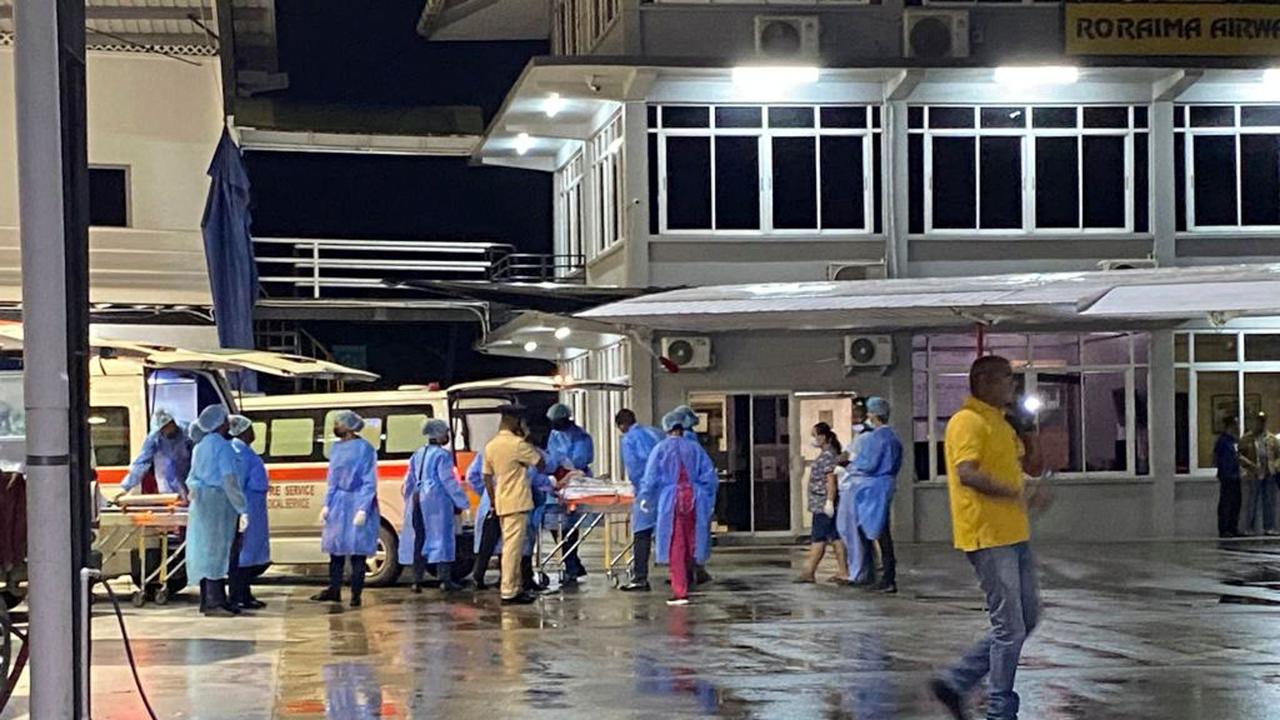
column 748, row 438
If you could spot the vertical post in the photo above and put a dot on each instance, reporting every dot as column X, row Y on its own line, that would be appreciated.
column 1164, row 216
column 1162, row 436
column 897, row 179
column 53, row 188
column 315, row 270
column 901, row 399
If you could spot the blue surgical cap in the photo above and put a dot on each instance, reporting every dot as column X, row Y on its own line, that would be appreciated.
column 195, row 433
column 559, row 411
column 690, row 417
column 673, row 419
column 212, row 418
column 435, row 429
column 878, row 406
column 160, row 418
column 239, row 424
column 349, row 420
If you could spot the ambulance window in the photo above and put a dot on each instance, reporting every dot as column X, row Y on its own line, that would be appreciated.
column 259, row 437
column 372, row 432
column 404, row 432
column 292, row 437
column 109, row 435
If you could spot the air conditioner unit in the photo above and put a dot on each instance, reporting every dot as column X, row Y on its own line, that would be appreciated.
column 869, row 270
column 688, row 352
column 868, row 351
column 1147, row 263
column 935, row 34
column 787, row 37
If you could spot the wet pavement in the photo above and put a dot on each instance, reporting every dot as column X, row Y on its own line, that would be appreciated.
column 1153, row 630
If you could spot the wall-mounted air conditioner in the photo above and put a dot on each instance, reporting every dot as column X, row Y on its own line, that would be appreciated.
column 935, row 34
column 868, row 351
column 689, row 352
column 787, row 38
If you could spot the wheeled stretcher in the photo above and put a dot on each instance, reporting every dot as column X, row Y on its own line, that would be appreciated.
column 583, row 509
column 153, row 526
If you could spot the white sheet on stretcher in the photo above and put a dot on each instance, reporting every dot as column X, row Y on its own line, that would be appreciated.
column 595, row 487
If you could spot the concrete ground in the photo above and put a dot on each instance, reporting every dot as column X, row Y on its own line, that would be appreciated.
column 1168, row 631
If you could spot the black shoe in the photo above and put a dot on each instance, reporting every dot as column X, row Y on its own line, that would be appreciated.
column 636, row 587
column 702, row 577
column 329, row 595
column 219, row 611
column 887, row 588
column 521, row 599
column 251, row 604
column 355, row 601
column 949, row 698
column 453, row 587
column 480, row 585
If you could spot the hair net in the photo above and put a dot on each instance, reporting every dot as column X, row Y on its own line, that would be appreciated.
column 435, row 429
column 690, row 417
column 879, row 407
column 211, row 418
column 239, row 424
column 349, row 420
column 195, row 433
column 559, row 411
column 160, row 418
column 673, row 419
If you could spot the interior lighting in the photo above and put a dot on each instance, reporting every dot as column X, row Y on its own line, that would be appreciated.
column 562, row 332
column 1033, row 75
column 764, row 77
column 530, row 346
column 553, row 104
column 1032, row 404
column 523, row 143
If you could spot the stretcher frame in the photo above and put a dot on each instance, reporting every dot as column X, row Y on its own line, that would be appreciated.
column 595, row 510
column 143, row 525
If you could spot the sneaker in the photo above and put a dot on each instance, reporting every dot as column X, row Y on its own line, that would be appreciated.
column 328, row 596
column 636, row 587
column 949, row 698
column 675, row 601
column 521, row 599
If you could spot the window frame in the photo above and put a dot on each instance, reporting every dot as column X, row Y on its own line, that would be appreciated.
column 127, row 172
column 1236, row 131
column 571, row 210
column 607, row 158
column 764, row 135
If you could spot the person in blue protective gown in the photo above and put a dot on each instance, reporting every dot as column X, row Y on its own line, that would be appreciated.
column 569, row 448
column 876, row 469
column 638, row 442
column 164, row 461
column 217, row 511
column 433, row 497
column 678, row 481
column 252, row 554
column 350, row 513
column 691, row 421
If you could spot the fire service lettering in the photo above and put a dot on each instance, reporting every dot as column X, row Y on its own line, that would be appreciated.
column 290, row 496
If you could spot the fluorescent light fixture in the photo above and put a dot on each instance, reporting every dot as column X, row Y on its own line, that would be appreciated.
column 766, row 77
column 562, row 332
column 1271, row 76
column 1033, row 75
column 530, row 346
column 523, row 143
column 553, row 104
column 97, row 420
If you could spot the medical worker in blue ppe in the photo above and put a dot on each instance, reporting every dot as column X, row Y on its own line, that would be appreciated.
column 876, row 468
column 570, row 448
column 690, row 422
column 638, row 442
column 217, row 511
column 678, row 480
column 350, row 514
column 433, row 497
column 252, row 555
column 165, row 459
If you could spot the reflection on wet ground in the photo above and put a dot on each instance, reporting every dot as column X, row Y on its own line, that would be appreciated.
column 1171, row 631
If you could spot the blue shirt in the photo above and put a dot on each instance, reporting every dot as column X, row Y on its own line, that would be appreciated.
column 573, row 445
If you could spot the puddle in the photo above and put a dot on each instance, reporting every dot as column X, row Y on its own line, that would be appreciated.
column 1244, row 600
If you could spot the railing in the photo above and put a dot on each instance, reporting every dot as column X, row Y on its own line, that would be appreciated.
column 538, row 268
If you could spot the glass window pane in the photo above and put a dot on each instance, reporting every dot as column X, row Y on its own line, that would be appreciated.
column 1001, row 184
column 1260, row 179
column 1179, row 116
column 844, row 117
column 1106, row 117
column 1141, row 184
column 1182, row 420
column 1262, row 348
column 843, row 205
column 372, row 432
column 1217, row 398
column 1106, row 349
column 1180, row 180
column 1180, row 348
column 684, row 116
column 875, row 116
column 954, row 183
column 1105, row 431
column 1261, row 395
column 1057, row 183
column 1260, row 116
column 1213, row 347
column 108, row 197
column 737, row 183
column 791, row 117
column 1055, row 350
column 739, row 117
column 1004, row 117
column 915, row 184
column 653, row 184
column 1054, row 117
column 1141, row 421
column 259, row 437
column 404, row 433
column 877, row 171
column 108, row 435
column 651, row 115
column 1215, row 183
column 1104, row 182
column 1140, row 116
column 795, row 201
column 1213, row 116
column 1061, row 444
column 950, row 391
column 915, row 116
column 688, row 183
column 292, row 437
column 1141, row 348
column 950, row 117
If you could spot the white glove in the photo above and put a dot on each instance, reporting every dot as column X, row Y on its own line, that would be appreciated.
column 360, row 518
column 829, row 509
column 644, row 506
column 324, row 515
column 244, row 522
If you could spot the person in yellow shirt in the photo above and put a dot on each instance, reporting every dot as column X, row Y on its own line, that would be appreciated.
column 989, row 505
column 507, row 459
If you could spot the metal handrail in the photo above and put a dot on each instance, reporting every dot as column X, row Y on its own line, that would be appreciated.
column 536, row 267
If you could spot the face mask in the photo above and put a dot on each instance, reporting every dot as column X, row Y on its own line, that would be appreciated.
column 816, row 443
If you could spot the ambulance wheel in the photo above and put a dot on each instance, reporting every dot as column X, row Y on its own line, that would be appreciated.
column 139, row 598
column 383, row 568
column 162, row 597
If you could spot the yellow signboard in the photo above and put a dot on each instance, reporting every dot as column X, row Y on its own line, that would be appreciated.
column 1172, row 29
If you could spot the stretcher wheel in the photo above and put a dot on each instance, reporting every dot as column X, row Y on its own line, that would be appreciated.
column 544, row 582
column 139, row 598
column 162, row 597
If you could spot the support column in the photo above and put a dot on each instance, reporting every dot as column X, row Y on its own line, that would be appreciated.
column 1162, row 435
column 1163, row 203
column 636, row 193
column 900, row 400
column 897, row 179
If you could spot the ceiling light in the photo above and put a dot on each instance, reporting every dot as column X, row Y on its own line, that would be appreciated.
column 1030, row 76
column 553, row 104
column 530, row 346
column 562, row 332
column 758, row 77
column 523, row 143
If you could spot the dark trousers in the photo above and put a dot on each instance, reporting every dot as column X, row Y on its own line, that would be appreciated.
column 419, row 539
column 337, row 564
column 640, row 561
column 887, row 556
column 490, row 535
column 237, row 577
column 1229, row 501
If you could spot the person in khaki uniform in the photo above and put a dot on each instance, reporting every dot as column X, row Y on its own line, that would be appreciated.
column 507, row 459
column 1260, row 461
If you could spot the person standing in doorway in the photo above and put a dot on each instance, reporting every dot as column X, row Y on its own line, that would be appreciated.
column 507, row 459
column 1226, row 458
column 876, row 467
column 990, row 524
column 638, row 442
column 350, row 513
column 1259, row 461
column 822, row 507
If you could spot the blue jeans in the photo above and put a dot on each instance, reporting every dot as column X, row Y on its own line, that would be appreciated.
column 1008, row 578
column 1262, row 497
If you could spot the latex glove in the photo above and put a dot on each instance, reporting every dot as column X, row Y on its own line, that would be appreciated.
column 244, row 522
column 324, row 515
column 360, row 518
column 829, row 509
column 644, row 506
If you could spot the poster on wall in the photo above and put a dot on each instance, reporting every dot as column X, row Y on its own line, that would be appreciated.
column 1171, row 29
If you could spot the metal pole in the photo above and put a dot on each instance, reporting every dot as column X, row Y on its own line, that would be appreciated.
column 48, row 75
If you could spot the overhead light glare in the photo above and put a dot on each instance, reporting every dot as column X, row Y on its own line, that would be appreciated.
column 1033, row 75
column 1032, row 404
column 614, row 146
column 530, row 346
column 562, row 332
column 523, row 143
column 553, row 104
column 767, row 77
column 1271, row 76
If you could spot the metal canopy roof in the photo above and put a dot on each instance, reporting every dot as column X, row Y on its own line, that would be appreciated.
column 1107, row 297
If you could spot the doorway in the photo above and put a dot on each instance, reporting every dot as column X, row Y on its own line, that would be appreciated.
column 748, row 436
